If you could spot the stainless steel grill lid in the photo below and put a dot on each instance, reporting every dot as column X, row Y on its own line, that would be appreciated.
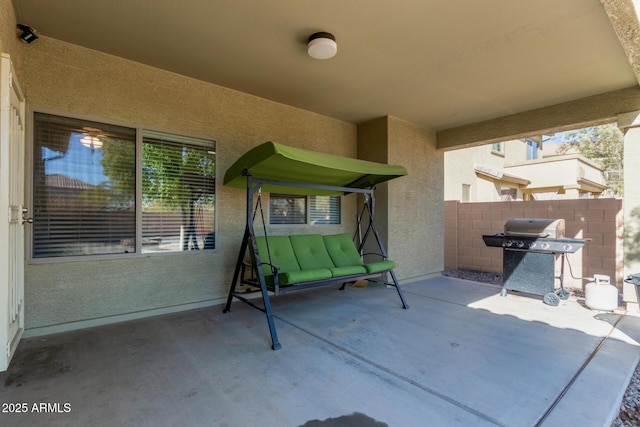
column 535, row 227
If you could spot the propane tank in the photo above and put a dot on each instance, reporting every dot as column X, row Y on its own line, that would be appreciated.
column 601, row 294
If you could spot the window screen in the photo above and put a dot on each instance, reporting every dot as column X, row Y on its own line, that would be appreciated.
column 178, row 193
column 314, row 210
column 85, row 182
column 324, row 210
column 84, row 187
column 287, row 209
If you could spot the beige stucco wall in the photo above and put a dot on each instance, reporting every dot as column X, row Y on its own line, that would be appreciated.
column 459, row 169
column 416, row 203
column 630, row 125
column 8, row 33
column 557, row 171
column 68, row 79
column 409, row 209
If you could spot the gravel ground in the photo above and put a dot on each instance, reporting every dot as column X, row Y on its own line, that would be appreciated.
column 629, row 415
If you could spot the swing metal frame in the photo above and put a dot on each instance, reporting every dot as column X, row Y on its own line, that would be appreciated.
column 257, row 283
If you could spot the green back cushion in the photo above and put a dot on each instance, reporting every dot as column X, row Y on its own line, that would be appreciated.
column 307, row 257
column 282, row 255
column 342, row 250
column 310, row 251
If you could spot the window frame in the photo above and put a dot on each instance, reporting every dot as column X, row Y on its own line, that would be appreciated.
column 497, row 148
column 532, row 149
column 307, row 212
column 140, row 129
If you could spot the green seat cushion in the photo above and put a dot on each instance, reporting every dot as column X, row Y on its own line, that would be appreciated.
column 348, row 270
column 377, row 267
column 311, row 252
column 282, row 255
column 293, row 277
column 342, row 250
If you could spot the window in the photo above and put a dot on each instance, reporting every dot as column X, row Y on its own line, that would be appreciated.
column 324, row 210
column 466, row 192
column 86, row 177
column 288, row 209
column 497, row 148
column 178, row 193
column 508, row 194
column 84, row 197
column 532, row 150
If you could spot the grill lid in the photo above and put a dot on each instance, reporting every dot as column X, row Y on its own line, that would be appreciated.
column 535, row 227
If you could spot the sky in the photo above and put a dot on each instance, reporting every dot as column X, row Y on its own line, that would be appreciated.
column 79, row 162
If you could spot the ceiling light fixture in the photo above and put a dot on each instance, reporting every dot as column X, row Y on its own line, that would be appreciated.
column 322, row 45
column 92, row 138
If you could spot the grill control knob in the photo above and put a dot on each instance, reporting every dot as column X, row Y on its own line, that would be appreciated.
column 532, row 245
column 567, row 247
column 509, row 243
column 544, row 245
column 520, row 244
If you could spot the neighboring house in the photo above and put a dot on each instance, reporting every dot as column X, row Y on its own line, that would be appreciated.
column 519, row 170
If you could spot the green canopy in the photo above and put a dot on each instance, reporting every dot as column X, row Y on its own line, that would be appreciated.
column 282, row 163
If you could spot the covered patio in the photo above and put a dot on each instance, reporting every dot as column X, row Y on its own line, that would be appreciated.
column 462, row 355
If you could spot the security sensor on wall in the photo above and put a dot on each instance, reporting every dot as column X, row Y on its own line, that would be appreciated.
column 28, row 34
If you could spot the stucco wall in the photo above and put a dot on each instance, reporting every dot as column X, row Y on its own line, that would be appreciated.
column 8, row 33
column 459, row 169
column 600, row 220
column 409, row 210
column 557, row 171
column 416, row 207
column 68, row 79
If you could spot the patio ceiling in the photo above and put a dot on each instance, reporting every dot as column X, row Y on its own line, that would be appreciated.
column 439, row 63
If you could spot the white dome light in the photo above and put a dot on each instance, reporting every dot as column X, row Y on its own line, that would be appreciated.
column 322, row 46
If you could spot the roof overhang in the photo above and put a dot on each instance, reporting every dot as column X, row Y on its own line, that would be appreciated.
column 500, row 175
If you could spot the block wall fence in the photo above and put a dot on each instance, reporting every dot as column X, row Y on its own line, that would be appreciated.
column 600, row 220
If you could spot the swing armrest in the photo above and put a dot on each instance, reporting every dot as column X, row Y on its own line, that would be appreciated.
column 274, row 268
column 274, row 273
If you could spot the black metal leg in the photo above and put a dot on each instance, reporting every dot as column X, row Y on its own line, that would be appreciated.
column 397, row 285
column 275, row 344
column 236, row 273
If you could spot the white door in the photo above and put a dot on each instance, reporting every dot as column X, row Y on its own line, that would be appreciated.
column 12, row 141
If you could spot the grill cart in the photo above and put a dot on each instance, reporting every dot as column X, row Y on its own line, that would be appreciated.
column 530, row 247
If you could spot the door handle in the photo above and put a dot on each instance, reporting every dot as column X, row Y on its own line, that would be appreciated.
column 29, row 220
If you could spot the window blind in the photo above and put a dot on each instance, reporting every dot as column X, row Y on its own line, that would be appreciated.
column 178, row 193
column 84, row 187
column 324, row 209
column 287, row 209
column 314, row 210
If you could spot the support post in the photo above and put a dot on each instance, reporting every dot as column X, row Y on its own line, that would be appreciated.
column 629, row 124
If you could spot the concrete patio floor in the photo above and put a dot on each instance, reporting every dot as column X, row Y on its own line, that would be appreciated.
column 461, row 355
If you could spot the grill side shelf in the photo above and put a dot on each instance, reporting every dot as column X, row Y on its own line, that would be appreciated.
column 534, row 244
column 494, row 240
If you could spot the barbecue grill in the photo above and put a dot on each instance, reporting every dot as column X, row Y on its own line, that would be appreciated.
column 530, row 248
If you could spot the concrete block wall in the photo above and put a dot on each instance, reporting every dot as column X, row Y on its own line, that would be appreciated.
column 600, row 220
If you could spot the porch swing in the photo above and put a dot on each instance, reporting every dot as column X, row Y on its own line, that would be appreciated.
column 280, row 264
